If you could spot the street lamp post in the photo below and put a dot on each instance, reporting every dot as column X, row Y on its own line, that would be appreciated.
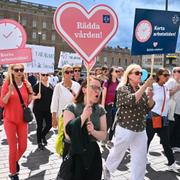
column 164, row 62
column 39, row 37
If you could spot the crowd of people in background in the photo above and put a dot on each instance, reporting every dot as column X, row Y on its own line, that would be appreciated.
column 118, row 114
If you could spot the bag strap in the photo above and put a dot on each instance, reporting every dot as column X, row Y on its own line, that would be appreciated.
column 19, row 94
column 163, row 101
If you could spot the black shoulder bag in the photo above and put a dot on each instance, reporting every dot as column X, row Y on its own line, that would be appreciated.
column 28, row 116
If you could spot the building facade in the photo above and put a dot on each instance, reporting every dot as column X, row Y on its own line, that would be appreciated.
column 37, row 20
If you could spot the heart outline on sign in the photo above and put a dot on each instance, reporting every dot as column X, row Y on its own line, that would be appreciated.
column 88, row 15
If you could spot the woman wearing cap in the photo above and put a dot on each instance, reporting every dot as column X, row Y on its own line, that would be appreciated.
column 14, row 124
column 133, row 104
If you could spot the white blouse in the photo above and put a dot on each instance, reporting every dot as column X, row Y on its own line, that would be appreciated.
column 62, row 96
column 158, row 97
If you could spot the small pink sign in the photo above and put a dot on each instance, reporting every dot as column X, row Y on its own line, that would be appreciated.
column 11, row 56
column 87, row 32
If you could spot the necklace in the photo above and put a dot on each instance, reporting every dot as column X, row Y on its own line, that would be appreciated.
column 20, row 86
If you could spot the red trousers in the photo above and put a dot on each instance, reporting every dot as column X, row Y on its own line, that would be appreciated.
column 17, row 140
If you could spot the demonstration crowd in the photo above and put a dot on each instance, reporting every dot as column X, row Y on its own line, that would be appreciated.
column 114, row 107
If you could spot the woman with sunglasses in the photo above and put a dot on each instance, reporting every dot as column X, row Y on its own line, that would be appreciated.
column 108, row 96
column 85, row 123
column 64, row 93
column 14, row 124
column 173, row 85
column 161, row 97
column 41, row 109
column 133, row 104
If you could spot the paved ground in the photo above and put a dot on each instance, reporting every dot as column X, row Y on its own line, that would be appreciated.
column 44, row 165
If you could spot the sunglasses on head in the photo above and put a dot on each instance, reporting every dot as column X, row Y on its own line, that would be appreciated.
column 77, row 70
column 68, row 72
column 177, row 71
column 166, row 75
column 44, row 74
column 137, row 73
column 18, row 70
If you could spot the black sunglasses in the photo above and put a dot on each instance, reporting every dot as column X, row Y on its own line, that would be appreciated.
column 18, row 70
column 44, row 74
column 176, row 71
column 69, row 72
column 137, row 73
column 77, row 70
column 166, row 75
column 117, row 71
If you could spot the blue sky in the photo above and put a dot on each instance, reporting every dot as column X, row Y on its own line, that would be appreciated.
column 125, row 10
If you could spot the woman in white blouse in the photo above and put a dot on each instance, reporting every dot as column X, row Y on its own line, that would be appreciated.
column 64, row 93
column 161, row 97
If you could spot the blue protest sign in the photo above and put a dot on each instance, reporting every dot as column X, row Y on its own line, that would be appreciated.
column 144, row 75
column 155, row 32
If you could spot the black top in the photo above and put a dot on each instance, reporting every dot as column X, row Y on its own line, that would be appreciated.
column 44, row 103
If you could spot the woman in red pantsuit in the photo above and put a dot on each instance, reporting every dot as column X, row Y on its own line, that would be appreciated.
column 15, row 127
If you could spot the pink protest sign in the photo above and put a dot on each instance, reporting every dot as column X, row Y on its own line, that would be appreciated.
column 12, row 56
column 87, row 32
column 91, row 64
column 12, row 43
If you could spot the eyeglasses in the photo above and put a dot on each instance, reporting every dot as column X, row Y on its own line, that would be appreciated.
column 137, row 73
column 95, row 88
column 117, row 71
column 68, row 72
column 166, row 75
column 176, row 71
column 77, row 70
column 45, row 75
column 18, row 70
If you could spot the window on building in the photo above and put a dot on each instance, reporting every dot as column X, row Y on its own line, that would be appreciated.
column 53, row 37
column 119, row 61
column 53, row 26
column 44, row 24
column 24, row 22
column 43, row 36
column 105, row 59
column 125, row 62
column 34, row 23
column 97, row 59
column 34, row 35
column 112, row 60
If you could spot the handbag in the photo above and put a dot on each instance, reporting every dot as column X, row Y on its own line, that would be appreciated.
column 66, row 168
column 60, row 137
column 157, row 119
column 28, row 116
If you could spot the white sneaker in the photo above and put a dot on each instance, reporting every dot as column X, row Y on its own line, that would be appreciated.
column 103, row 144
column 175, row 149
column 174, row 167
column 110, row 144
column 107, row 175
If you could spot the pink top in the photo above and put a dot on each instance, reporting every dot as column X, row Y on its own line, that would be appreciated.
column 13, row 110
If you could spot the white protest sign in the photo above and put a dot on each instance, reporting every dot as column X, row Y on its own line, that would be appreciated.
column 69, row 58
column 42, row 59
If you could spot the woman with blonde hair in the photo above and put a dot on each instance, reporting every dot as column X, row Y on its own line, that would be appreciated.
column 14, row 124
column 64, row 93
column 133, row 104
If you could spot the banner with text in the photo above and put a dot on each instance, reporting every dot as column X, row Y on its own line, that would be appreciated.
column 155, row 32
column 69, row 58
column 42, row 59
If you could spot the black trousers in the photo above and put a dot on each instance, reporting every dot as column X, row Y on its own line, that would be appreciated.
column 42, row 116
column 164, row 139
column 175, row 132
